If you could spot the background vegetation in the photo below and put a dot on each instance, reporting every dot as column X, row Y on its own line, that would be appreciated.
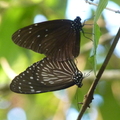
column 15, row 14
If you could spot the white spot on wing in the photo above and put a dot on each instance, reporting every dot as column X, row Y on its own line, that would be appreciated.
column 38, row 76
column 31, row 86
column 36, row 24
column 41, row 64
column 29, row 83
column 30, row 68
column 30, row 28
column 38, row 91
column 37, row 73
column 46, row 35
column 32, row 90
column 38, row 35
column 31, row 77
column 23, row 74
column 51, row 82
column 19, row 87
column 37, row 79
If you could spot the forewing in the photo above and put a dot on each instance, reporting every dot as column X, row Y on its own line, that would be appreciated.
column 56, row 39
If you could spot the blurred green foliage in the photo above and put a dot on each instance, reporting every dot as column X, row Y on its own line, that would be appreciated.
column 15, row 14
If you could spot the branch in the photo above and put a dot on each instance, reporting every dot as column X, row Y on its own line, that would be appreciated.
column 89, row 96
column 116, row 11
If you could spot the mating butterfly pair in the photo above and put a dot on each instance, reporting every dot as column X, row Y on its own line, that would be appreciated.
column 59, row 40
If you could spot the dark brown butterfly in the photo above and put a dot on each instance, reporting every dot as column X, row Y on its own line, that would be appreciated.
column 57, row 39
column 47, row 75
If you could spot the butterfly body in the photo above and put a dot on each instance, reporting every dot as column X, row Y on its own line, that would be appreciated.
column 57, row 39
column 47, row 75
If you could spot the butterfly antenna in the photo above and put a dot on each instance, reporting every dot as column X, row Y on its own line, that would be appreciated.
column 87, row 74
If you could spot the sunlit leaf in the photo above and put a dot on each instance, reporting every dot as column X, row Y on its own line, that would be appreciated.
column 96, row 31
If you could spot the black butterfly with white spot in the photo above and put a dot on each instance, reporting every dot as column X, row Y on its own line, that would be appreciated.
column 57, row 39
column 47, row 75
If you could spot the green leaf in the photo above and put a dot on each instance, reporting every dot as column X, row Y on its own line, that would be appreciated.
column 96, row 30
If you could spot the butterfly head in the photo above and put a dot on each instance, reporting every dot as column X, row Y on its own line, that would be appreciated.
column 78, row 77
column 77, row 24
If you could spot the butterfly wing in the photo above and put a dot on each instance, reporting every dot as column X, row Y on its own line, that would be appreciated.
column 46, row 75
column 58, row 39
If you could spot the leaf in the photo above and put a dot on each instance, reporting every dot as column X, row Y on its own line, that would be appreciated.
column 96, row 30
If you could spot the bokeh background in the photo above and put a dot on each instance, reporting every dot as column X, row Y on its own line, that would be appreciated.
column 63, row 104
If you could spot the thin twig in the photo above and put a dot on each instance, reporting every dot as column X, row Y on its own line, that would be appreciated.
column 116, row 11
column 89, row 96
column 109, row 75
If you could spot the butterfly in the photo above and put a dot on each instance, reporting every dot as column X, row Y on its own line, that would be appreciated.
column 47, row 75
column 57, row 39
